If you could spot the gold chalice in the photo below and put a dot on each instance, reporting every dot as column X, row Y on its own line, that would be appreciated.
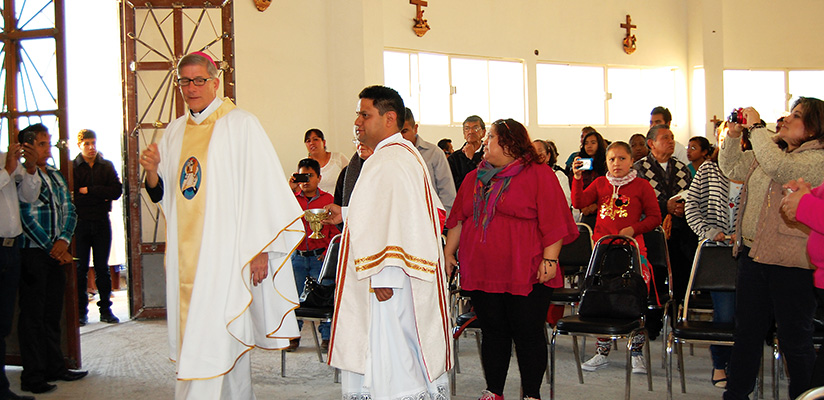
column 315, row 217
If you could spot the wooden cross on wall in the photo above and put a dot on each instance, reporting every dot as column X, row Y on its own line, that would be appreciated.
column 421, row 26
column 629, row 38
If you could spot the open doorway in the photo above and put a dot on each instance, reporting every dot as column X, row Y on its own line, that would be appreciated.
column 95, row 102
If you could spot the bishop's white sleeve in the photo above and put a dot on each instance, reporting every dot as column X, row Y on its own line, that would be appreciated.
column 389, row 277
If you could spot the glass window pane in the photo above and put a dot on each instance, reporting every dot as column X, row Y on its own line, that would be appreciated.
column 470, row 78
column 4, row 134
column 626, row 89
column 763, row 90
column 5, row 107
column 433, row 74
column 699, row 103
column 506, row 91
column 396, row 74
column 659, row 84
column 636, row 91
column 37, row 83
column 806, row 84
column 34, row 14
column 570, row 95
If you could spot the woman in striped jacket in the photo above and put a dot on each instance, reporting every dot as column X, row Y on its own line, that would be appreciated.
column 710, row 210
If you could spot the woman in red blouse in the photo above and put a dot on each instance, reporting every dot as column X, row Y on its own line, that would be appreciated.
column 510, row 224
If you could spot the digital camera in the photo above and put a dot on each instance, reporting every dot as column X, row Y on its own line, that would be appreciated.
column 737, row 116
column 301, row 178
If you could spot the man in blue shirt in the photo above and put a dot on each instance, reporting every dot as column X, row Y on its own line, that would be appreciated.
column 48, row 224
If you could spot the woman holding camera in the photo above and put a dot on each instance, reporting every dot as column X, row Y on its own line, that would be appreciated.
column 774, row 282
column 510, row 220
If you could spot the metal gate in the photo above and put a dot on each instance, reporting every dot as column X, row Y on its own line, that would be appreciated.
column 154, row 36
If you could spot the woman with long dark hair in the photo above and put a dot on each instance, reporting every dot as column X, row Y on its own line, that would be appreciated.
column 775, row 276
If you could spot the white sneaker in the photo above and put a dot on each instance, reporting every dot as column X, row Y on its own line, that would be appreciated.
column 597, row 361
column 638, row 366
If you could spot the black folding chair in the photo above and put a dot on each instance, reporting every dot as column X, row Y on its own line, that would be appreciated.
column 316, row 315
column 658, row 258
column 576, row 325
column 574, row 258
column 713, row 269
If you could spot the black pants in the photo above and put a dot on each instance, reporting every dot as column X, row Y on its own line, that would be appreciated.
column 9, row 279
column 42, row 286
column 764, row 292
column 97, row 237
column 505, row 318
column 818, row 370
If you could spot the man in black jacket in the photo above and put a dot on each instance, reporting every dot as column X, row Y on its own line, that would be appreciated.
column 470, row 154
column 96, row 185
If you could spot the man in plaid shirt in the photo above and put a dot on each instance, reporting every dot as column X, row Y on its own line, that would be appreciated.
column 48, row 224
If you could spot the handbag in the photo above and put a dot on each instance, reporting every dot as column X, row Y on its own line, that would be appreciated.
column 316, row 295
column 620, row 294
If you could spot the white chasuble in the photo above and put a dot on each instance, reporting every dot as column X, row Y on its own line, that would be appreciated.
column 226, row 200
column 401, row 347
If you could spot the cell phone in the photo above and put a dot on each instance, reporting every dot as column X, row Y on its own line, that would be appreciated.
column 301, row 177
column 587, row 164
column 683, row 196
column 28, row 137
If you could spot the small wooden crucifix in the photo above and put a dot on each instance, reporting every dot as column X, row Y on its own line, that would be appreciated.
column 629, row 39
column 421, row 26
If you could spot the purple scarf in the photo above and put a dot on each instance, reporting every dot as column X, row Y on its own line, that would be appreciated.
column 489, row 188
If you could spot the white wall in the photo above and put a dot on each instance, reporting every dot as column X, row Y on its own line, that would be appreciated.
column 585, row 31
column 301, row 64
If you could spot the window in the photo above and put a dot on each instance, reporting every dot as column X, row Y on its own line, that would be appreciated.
column 763, row 90
column 633, row 92
column 570, row 95
column 806, row 84
column 576, row 94
column 443, row 89
column 699, row 101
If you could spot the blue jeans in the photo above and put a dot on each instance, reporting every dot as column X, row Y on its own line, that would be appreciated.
column 309, row 266
column 765, row 292
column 723, row 311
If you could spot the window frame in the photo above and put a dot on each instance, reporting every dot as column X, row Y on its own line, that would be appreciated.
column 607, row 94
column 452, row 89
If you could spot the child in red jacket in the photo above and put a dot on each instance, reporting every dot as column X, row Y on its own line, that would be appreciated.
column 622, row 201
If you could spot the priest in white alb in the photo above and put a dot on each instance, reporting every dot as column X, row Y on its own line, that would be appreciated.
column 390, row 333
column 231, row 225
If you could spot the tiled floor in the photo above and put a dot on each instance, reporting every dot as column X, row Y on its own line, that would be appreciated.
column 130, row 361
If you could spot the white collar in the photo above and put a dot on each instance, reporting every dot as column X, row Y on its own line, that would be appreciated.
column 199, row 117
column 391, row 138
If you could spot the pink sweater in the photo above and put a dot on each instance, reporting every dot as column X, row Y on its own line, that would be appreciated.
column 809, row 213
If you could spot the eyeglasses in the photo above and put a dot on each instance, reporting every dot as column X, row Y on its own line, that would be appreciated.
column 502, row 122
column 473, row 129
column 196, row 81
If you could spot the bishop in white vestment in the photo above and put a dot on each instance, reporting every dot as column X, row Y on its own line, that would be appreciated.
column 226, row 203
